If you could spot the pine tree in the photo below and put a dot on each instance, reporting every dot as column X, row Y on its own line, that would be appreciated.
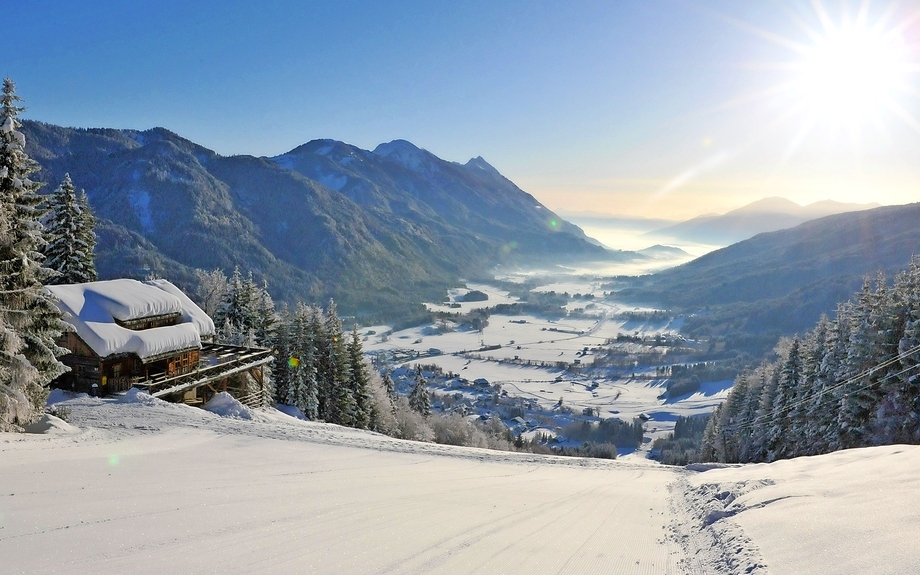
column 730, row 430
column 264, row 318
column 389, row 386
column 899, row 413
column 824, row 409
column 860, row 395
column 811, row 387
column 283, row 363
column 359, row 381
column 30, row 322
column 419, row 399
column 339, row 404
column 247, row 313
column 745, row 427
column 709, row 446
column 763, row 420
column 71, row 236
column 779, row 437
column 302, row 383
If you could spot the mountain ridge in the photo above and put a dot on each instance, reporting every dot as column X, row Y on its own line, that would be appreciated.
column 779, row 283
column 764, row 215
column 325, row 219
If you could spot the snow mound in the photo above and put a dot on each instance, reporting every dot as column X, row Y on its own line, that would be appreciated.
column 50, row 425
column 291, row 410
column 225, row 405
column 59, row 395
column 135, row 395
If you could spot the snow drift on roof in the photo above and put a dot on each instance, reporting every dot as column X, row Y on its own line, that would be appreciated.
column 191, row 313
column 121, row 299
column 92, row 308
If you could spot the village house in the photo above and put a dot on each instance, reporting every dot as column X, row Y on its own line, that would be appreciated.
column 151, row 336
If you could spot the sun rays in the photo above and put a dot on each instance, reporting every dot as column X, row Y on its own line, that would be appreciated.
column 840, row 84
column 854, row 72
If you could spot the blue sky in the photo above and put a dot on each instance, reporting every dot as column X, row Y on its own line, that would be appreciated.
column 644, row 108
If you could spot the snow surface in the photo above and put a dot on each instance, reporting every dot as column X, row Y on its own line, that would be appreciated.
column 151, row 487
column 191, row 313
column 543, row 340
column 140, row 202
column 225, row 405
column 92, row 308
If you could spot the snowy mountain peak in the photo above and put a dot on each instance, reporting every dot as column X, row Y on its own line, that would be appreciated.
column 322, row 147
column 478, row 163
column 405, row 153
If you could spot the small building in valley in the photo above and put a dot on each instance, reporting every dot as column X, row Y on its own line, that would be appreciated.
column 150, row 335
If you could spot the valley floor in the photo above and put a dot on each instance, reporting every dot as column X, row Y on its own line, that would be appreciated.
column 141, row 486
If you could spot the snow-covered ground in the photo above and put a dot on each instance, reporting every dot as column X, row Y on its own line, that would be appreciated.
column 140, row 486
column 521, row 353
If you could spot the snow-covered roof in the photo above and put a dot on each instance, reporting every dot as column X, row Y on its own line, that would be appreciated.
column 92, row 308
column 191, row 313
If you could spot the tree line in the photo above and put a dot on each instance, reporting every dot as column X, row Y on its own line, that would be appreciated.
column 849, row 382
column 42, row 241
column 321, row 370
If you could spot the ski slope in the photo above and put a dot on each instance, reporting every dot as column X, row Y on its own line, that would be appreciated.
column 141, row 486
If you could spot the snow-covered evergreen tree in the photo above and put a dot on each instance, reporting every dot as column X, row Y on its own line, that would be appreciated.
column 389, row 385
column 730, row 430
column 898, row 417
column 746, row 419
column 29, row 320
column 419, row 400
column 247, row 313
column 302, row 364
column 339, row 404
column 359, row 381
column 779, row 436
column 763, row 420
column 709, row 446
column 282, row 351
column 264, row 318
column 860, row 394
column 71, row 236
column 811, row 386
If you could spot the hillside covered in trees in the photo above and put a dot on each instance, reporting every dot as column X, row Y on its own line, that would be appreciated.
column 376, row 230
column 745, row 296
column 851, row 381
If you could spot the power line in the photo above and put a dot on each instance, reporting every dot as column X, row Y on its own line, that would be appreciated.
column 827, row 390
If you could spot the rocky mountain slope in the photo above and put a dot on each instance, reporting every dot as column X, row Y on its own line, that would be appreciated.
column 372, row 229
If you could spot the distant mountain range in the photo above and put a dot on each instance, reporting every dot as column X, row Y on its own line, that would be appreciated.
column 374, row 229
column 766, row 215
column 781, row 282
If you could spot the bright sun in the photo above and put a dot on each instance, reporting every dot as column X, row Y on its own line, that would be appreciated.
column 851, row 72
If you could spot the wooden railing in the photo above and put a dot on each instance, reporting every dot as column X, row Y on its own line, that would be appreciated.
column 217, row 362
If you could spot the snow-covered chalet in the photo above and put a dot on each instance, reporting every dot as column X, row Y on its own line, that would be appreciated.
column 151, row 336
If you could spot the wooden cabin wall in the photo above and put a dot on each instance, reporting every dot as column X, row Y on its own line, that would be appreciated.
column 120, row 373
column 84, row 372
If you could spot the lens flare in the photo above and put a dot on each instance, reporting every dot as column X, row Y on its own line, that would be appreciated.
column 293, row 362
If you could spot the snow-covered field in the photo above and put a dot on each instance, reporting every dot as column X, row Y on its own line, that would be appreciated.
column 501, row 351
column 140, row 486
